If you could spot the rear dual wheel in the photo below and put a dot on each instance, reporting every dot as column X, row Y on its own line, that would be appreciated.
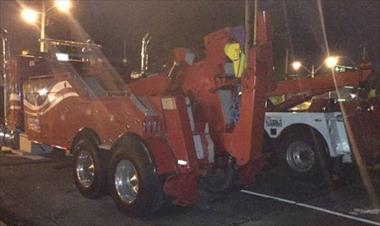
column 133, row 181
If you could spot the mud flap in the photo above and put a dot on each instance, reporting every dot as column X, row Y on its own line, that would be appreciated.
column 183, row 188
column 248, row 172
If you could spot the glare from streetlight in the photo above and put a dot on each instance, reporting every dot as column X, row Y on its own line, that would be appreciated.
column 331, row 61
column 296, row 65
column 63, row 5
column 29, row 15
column 42, row 92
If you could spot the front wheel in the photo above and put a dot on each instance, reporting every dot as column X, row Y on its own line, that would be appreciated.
column 89, row 169
column 133, row 181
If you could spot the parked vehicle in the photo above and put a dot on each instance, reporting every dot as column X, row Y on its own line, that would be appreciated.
column 320, row 133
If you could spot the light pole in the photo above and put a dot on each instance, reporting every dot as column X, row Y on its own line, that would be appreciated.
column 31, row 16
column 43, row 27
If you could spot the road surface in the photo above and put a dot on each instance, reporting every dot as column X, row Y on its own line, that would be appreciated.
column 39, row 191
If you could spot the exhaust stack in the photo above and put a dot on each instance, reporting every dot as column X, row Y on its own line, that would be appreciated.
column 144, row 53
column 5, row 56
column 7, row 138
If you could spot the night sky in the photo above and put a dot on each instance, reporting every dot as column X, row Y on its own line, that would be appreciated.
column 349, row 24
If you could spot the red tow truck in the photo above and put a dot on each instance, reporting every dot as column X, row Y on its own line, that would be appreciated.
column 152, row 139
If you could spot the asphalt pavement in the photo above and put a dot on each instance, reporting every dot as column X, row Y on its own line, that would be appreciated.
column 37, row 190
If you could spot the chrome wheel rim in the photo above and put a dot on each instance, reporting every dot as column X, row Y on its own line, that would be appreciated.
column 300, row 156
column 126, row 181
column 85, row 168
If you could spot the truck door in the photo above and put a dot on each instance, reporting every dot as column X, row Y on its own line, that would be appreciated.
column 31, row 70
column 32, row 117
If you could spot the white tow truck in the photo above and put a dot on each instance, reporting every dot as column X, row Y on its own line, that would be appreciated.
column 317, row 135
column 298, row 136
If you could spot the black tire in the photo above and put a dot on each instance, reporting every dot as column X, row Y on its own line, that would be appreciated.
column 269, row 153
column 304, row 156
column 96, row 187
column 147, row 197
column 221, row 177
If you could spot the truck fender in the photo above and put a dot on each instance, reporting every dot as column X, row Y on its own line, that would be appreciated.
column 302, row 128
column 85, row 132
column 157, row 150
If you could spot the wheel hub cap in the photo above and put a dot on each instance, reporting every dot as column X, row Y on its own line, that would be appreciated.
column 126, row 181
column 300, row 156
column 85, row 168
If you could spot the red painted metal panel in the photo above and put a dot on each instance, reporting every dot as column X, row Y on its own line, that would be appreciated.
column 178, row 132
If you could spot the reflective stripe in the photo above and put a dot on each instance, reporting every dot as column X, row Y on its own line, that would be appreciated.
column 210, row 145
column 198, row 146
column 52, row 104
column 190, row 114
column 58, row 100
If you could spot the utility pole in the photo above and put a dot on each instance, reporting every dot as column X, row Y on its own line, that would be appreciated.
column 286, row 68
column 255, row 10
column 125, row 61
column 247, row 17
column 247, row 27
column 1, row 44
column 31, row 16
column 43, row 26
column 2, row 14
column 3, row 56
column 364, row 52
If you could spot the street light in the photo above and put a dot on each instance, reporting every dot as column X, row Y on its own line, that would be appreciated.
column 63, row 5
column 296, row 65
column 31, row 16
column 331, row 61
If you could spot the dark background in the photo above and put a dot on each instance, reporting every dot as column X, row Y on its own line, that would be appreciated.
column 298, row 25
